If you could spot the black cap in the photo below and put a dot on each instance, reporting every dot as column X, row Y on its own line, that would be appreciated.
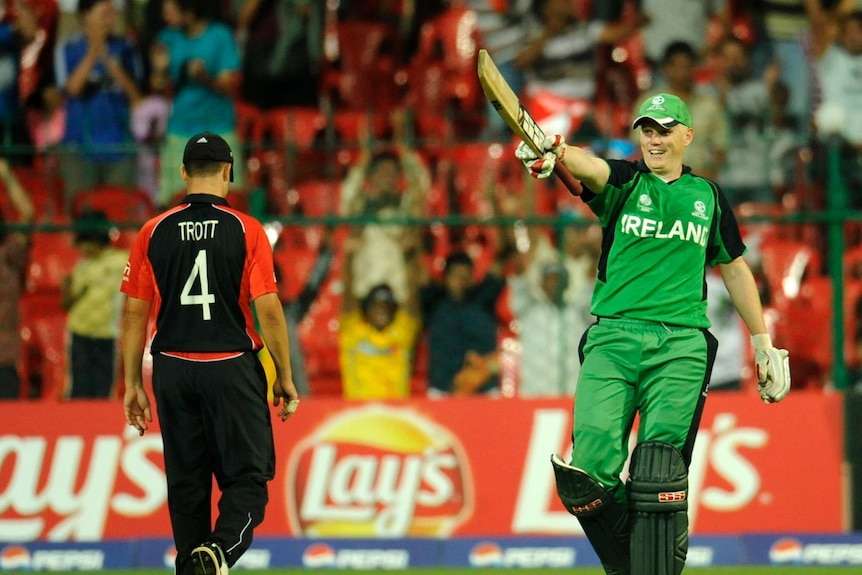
column 208, row 147
column 381, row 293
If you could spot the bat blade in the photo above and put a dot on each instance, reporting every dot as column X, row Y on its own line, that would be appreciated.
column 509, row 107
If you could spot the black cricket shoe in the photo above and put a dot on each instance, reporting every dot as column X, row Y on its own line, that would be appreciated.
column 209, row 559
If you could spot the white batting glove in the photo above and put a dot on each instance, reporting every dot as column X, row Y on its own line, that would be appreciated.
column 773, row 369
column 541, row 167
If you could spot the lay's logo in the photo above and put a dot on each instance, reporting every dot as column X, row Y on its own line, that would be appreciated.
column 379, row 471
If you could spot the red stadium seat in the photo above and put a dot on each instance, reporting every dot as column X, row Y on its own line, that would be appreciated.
column 786, row 264
column 52, row 257
column 295, row 126
column 119, row 204
column 318, row 198
column 44, row 188
column 43, row 334
column 365, row 74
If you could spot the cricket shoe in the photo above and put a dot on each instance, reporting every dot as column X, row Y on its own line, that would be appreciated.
column 209, row 559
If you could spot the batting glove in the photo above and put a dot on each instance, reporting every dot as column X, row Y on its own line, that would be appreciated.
column 541, row 167
column 773, row 369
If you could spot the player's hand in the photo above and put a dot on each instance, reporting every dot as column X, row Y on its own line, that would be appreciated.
column 285, row 390
column 773, row 369
column 553, row 147
column 136, row 404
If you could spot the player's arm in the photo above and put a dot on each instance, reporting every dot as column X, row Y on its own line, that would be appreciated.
column 772, row 364
column 743, row 292
column 273, row 329
column 136, row 403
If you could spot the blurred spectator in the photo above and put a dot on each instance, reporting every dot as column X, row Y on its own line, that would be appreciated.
column 840, row 75
column 282, row 45
column 560, row 65
column 706, row 153
column 730, row 333
column 99, row 74
column 17, row 29
column 377, row 335
column 201, row 62
column 503, row 30
column 296, row 309
column 672, row 21
column 149, row 124
column 13, row 266
column 459, row 315
column 383, row 185
column 91, row 296
column 550, row 325
column 762, row 131
column 854, row 371
column 781, row 31
column 39, row 94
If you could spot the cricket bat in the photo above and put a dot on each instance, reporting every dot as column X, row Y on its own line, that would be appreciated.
column 519, row 120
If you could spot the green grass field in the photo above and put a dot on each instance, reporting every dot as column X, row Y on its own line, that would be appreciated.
column 802, row 570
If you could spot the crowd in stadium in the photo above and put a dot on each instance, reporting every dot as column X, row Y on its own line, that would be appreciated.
column 414, row 254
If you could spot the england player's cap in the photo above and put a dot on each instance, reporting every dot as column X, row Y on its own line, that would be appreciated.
column 208, row 147
column 666, row 110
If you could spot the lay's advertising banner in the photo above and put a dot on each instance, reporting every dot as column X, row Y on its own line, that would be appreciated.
column 465, row 467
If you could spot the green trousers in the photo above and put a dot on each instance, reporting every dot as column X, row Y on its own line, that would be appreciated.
column 659, row 373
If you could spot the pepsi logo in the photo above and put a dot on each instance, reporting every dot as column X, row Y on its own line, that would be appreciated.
column 319, row 555
column 786, row 550
column 14, row 557
column 486, row 554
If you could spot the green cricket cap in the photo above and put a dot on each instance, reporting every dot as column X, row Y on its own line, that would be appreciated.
column 666, row 110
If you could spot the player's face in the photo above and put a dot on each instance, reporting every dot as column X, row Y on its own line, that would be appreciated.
column 663, row 148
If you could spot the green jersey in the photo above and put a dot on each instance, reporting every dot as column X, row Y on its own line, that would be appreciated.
column 658, row 239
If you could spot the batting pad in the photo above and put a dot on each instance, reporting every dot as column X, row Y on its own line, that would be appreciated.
column 605, row 522
column 658, row 500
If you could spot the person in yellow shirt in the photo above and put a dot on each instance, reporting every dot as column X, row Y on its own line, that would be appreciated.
column 91, row 296
column 377, row 336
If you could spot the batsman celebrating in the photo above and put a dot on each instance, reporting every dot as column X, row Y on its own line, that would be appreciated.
column 650, row 352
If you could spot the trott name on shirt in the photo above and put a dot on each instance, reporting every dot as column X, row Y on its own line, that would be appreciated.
column 197, row 230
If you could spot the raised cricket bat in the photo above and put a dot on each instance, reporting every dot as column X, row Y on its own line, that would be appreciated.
column 519, row 120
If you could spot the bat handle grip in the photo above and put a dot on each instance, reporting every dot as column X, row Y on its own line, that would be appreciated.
column 573, row 185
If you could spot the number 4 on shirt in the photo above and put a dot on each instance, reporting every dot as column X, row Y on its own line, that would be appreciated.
column 204, row 298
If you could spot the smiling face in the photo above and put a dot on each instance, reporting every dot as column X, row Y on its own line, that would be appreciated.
column 663, row 148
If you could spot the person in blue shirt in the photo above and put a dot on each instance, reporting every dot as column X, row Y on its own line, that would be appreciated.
column 99, row 74
column 200, row 59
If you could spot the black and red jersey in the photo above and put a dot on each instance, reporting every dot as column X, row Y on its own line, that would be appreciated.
column 201, row 263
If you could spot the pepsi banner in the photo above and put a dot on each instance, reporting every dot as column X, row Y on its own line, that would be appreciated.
column 462, row 468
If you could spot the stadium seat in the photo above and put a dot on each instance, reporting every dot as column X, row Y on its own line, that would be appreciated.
column 52, row 257
column 45, row 189
column 44, row 351
column 786, row 264
column 317, row 198
column 296, row 126
column 120, row 204
column 442, row 85
column 364, row 77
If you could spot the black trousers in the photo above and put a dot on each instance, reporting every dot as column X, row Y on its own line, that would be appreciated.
column 215, row 422
column 93, row 366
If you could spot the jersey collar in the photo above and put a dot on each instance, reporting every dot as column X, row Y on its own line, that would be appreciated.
column 642, row 167
column 204, row 199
